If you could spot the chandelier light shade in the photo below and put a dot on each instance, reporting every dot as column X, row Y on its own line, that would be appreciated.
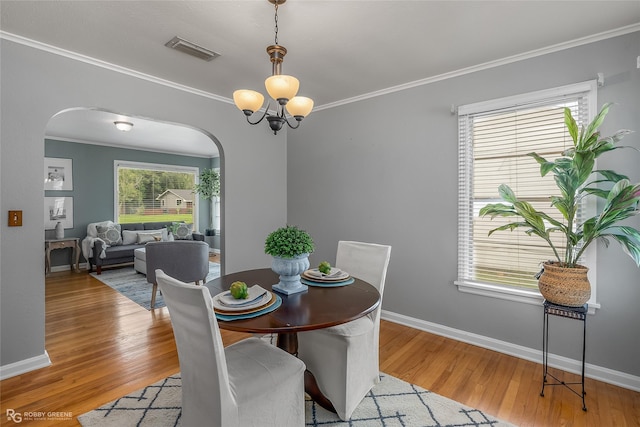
column 123, row 126
column 300, row 106
column 281, row 87
column 248, row 100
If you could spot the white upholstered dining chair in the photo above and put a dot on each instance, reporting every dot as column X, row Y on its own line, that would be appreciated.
column 344, row 359
column 249, row 383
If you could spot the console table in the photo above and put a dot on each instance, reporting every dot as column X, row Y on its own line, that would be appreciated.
column 578, row 313
column 67, row 242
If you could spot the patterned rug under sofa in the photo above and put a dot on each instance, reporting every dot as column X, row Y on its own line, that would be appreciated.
column 391, row 403
column 134, row 286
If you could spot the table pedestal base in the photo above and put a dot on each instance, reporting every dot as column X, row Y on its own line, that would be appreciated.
column 289, row 343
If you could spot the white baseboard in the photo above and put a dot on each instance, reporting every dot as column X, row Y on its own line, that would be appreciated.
column 22, row 366
column 599, row 373
column 66, row 267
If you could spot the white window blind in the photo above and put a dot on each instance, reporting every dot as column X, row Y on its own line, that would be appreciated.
column 494, row 140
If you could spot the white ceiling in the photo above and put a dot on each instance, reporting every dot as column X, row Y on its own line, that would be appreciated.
column 97, row 127
column 340, row 50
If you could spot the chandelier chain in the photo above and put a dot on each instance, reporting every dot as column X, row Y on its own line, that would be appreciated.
column 276, row 21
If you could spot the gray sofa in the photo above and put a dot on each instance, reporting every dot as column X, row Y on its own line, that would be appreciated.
column 124, row 253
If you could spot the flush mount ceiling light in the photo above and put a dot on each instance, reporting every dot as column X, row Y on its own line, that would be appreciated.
column 282, row 88
column 123, row 126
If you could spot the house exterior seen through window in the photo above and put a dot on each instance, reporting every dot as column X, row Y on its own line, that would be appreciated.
column 150, row 192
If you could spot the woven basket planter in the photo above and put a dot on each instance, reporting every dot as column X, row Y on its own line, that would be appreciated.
column 565, row 286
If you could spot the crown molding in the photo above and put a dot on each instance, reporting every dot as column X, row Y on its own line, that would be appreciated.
column 487, row 65
column 491, row 64
column 109, row 66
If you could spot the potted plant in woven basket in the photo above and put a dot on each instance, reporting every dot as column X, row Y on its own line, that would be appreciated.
column 290, row 248
column 564, row 281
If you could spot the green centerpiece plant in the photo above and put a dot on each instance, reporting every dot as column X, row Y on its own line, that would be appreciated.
column 290, row 247
column 288, row 242
column 576, row 179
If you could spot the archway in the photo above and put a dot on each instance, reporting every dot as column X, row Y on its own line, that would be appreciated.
column 88, row 136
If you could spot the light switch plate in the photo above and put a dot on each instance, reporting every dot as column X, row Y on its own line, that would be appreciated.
column 15, row 218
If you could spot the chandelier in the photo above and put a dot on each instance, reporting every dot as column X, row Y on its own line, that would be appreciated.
column 281, row 87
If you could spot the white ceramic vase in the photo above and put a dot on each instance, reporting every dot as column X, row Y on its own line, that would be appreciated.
column 289, row 270
column 59, row 231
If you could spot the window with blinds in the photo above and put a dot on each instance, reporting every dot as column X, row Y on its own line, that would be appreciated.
column 494, row 140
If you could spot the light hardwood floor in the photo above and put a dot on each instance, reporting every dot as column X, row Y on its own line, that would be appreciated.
column 103, row 346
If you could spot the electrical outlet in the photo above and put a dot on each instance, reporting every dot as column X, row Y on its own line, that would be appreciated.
column 15, row 218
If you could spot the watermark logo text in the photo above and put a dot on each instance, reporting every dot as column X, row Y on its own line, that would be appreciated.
column 18, row 417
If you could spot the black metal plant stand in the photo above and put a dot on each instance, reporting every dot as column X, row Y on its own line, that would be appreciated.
column 578, row 313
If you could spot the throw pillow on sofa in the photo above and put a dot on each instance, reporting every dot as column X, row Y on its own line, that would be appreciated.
column 110, row 234
column 182, row 231
column 129, row 237
column 92, row 230
column 152, row 236
column 149, row 237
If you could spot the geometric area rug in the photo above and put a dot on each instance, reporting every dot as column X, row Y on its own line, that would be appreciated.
column 134, row 286
column 391, row 403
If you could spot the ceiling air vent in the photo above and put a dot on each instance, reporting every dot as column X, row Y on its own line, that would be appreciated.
column 192, row 49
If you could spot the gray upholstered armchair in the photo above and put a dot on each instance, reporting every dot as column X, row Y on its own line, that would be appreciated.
column 185, row 260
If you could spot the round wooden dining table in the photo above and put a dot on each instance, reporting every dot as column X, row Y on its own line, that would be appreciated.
column 316, row 308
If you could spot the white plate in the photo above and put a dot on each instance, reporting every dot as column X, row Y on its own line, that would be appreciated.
column 334, row 275
column 253, row 293
column 260, row 301
column 240, row 313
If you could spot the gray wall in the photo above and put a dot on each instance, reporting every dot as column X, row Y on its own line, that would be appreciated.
column 37, row 85
column 385, row 170
column 387, row 166
column 93, row 190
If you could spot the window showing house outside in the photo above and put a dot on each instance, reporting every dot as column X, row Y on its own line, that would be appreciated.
column 494, row 140
column 151, row 192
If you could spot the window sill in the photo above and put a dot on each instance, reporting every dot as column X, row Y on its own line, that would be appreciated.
column 522, row 295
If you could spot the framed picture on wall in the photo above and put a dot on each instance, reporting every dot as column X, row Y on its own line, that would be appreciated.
column 58, row 174
column 58, row 209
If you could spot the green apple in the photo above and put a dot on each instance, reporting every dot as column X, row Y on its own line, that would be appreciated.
column 324, row 267
column 239, row 290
